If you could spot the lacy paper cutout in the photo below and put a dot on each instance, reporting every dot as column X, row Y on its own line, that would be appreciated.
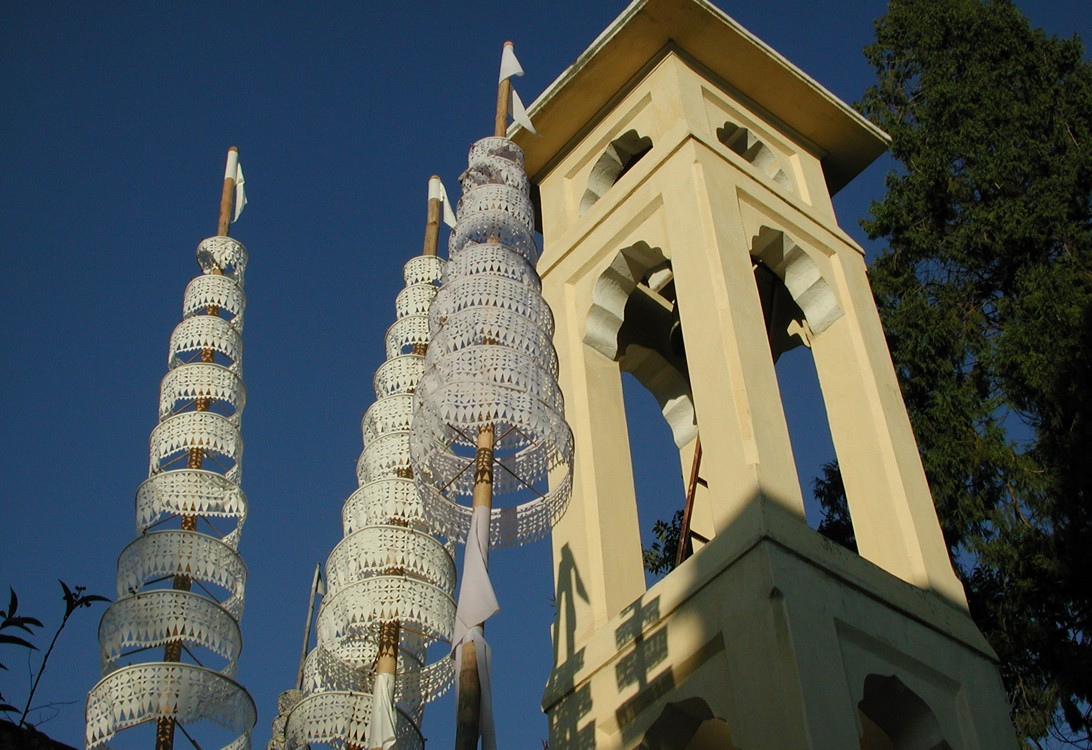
column 389, row 571
column 181, row 592
column 220, row 292
column 184, row 692
column 491, row 364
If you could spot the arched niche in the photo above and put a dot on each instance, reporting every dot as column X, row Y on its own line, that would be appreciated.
column 688, row 725
column 617, row 159
column 893, row 717
column 801, row 276
column 742, row 141
column 634, row 321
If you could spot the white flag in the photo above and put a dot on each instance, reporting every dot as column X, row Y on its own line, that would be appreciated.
column 240, row 193
column 509, row 64
column 519, row 113
column 437, row 190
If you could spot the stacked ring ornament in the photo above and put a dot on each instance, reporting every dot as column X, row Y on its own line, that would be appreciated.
column 169, row 643
column 389, row 574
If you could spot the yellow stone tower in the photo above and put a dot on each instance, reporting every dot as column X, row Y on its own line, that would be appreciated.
column 684, row 172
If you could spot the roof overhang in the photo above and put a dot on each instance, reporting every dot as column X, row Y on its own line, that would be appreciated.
column 614, row 62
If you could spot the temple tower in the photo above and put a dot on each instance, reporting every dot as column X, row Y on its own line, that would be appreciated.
column 685, row 173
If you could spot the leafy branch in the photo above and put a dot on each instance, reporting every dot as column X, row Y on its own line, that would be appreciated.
column 12, row 620
column 74, row 599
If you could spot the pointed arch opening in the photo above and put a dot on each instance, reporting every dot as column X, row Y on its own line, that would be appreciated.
column 743, row 141
column 894, row 717
column 618, row 158
column 797, row 305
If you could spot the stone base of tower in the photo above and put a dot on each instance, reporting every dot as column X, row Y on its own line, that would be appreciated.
column 772, row 638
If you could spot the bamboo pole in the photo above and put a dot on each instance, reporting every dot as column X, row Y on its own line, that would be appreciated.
column 432, row 219
column 390, row 633
column 227, row 197
column 468, row 710
column 172, row 652
column 307, row 628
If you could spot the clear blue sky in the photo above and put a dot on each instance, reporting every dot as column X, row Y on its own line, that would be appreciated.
column 116, row 119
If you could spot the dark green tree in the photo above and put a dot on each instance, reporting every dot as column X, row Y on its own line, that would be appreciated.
column 985, row 291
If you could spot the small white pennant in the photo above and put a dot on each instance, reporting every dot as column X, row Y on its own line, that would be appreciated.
column 509, row 64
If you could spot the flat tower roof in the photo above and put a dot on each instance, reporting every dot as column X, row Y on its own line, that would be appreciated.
column 586, row 89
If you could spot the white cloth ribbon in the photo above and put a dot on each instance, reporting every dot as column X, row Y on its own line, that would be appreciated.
column 484, row 657
column 437, row 190
column 509, row 64
column 381, row 726
column 477, row 601
column 519, row 113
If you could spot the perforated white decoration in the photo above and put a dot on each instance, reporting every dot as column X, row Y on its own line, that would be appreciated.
column 423, row 269
column 390, row 414
column 387, row 456
column 389, row 571
column 494, row 225
column 494, row 327
column 184, row 692
column 491, row 365
column 154, row 618
column 214, row 434
column 322, row 670
column 221, row 292
column 194, row 466
column 416, row 683
column 491, row 259
column 492, row 197
column 376, row 550
column 205, row 332
column 224, row 254
column 159, row 554
column 190, row 491
column 405, row 334
column 381, row 501
column 357, row 609
column 183, row 385
column 482, row 290
column 340, row 719
column 398, row 375
column 414, row 300
column 486, row 150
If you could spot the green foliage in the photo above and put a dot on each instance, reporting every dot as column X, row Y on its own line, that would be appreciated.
column 74, row 599
column 985, row 290
column 12, row 620
column 659, row 558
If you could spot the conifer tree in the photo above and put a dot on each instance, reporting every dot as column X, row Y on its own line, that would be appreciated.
column 985, row 291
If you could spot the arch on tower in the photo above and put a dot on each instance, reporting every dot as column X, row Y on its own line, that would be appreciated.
column 618, row 158
column 634, row 321
column 688, row 725
column 744, row 142
column 894, row 717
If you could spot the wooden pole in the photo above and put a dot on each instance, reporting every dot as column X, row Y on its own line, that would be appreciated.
column 684, row 550
column 172, row 652
column 504, row 93
column 227, row 197
column 432, row 219
column 307, row 628
column 390, row 633
column 468, row 712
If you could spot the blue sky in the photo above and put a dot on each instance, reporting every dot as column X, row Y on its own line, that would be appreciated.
column 117, row 117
